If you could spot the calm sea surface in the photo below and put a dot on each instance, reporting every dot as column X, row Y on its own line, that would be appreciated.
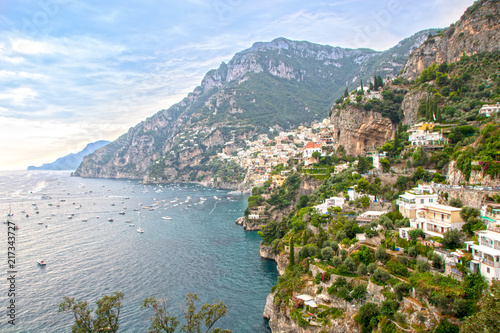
column 199, row 250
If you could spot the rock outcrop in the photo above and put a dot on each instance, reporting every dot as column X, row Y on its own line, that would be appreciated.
column 476, row 31
column 358, row 130
column 410, row 106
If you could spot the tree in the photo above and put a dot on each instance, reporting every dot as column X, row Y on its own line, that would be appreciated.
column 350, row 264
column 381, row 254
column 363, row 184
column 327, row 253
column 385, row 164
column 452, row 239
column 362, row 269
column 207, row 316
column 401, row 289
column 487, row 316
column 292, row 253
column 364, row 164
column 359, row 292
column 107, row 313
column 346, row 92
column 367, row 317
column 446, row 327
column 162, row 320
column 365, row 201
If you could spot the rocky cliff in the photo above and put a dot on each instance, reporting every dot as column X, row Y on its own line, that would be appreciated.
column 280, row 84
column 358, row 130
column 476, row 31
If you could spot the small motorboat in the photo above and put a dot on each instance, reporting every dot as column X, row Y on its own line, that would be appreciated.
column 166, row 218
column 128, row 221
column 131, row 225
column 139, row 230
column 110, row 220
column 84, row 220
column 42, row 262
column 121, row 213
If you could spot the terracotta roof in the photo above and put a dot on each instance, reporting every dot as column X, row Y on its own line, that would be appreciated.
column 312, row 145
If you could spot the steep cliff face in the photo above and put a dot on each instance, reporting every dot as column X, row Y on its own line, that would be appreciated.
column 358, row 130
column 456, row 177
column 410, row 105
column 280, row 84
column 477, row 31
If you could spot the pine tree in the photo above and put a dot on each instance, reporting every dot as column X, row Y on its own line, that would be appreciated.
column 346, row 93
column 292, row 253
column 362, row 89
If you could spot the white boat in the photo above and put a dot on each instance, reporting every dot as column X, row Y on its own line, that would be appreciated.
column 139, row 230
column 128, row 221
column 110, row 220
column 121, row 213
column 42, row 262
column 131, row 225
column 166, row 218
column 84, row 220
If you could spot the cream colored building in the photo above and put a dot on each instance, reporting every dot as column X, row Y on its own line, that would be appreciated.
column 416, row 198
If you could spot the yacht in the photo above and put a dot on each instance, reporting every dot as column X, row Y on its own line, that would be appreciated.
column 139, row 230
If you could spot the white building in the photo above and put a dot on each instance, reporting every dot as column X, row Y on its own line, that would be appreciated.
column 311, row 148
column 486, row 255
column 376, row 160
column 330, row 202
column 426, row 138
column 416, row 198
column 369, row 216
column 488, row 110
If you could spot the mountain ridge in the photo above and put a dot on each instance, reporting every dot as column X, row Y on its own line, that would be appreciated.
column 271, row 85
column 73, row 160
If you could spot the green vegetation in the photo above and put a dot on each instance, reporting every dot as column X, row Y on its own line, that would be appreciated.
column 108, row 313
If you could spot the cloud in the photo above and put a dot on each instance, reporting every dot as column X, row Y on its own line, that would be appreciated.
column 19, row 96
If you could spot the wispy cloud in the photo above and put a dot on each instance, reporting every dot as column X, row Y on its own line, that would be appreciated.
column 75, row 71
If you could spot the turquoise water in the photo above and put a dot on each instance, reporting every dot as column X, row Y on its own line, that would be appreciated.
column 199, row 250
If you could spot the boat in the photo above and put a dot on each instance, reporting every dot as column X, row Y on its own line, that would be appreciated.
column 42, row 262
column 121, row 213
column 166, row 218
column 128, row 221
column 139, row 230
column 131, row 225
column 84, row 220
column 110, row 220
column 70, row 217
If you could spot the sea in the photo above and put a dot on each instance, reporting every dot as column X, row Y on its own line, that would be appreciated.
column 86, row 230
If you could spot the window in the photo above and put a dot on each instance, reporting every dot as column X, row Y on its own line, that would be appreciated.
column 422, row 201
column 488, row 270
column 431, row 200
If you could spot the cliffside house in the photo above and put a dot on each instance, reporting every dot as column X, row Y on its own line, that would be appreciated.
column 488, row 110
column 490, row 213
column 435, row 219
column 311, row 148
column 486, row 255
column 426, row 138
column 330, row 202
column 416, row 198
column 376, row 159
column 369, row 216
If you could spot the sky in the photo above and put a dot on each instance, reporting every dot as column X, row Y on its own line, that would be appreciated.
column 74, row 72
